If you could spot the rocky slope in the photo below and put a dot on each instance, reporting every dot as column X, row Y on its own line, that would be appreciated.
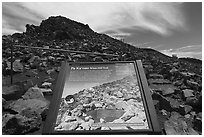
column 176, row 84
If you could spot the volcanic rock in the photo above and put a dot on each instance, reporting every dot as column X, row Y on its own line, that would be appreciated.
column 188, row 93
column 184, row 109
column 159, row 81
column 22, row 123
column 176, row 125
column 163, row 102
column 46, row 85
column 36, row 105
column 175, row 104
column 46, row 91
column 198, row 122
column 121, row 105
column 28, row 84
column 17, row 66
column 193, row 85
column 34, row 93
column 155, row 76
column 12, row 92
column 3, row 101
column 67, row 126
column 161, row 85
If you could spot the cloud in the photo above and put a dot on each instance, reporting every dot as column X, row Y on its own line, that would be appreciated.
column 161, row 18
column 119, row 35
column 15, row 17
column 193, row 51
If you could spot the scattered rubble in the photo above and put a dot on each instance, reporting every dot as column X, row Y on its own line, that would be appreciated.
column 176, row 84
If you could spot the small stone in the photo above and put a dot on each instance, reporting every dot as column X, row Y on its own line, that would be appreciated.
column 135, row 119
column 164, row 112
column 168, row 91
column 121, row 105
column 3, row 101
column 98, row 105
column 84, row 114
column 118, row 128
column 91, row 121
column 85, row 126
column 87, row 118
column 105, row 128
column 50, row 71
column 46, row 85
column 67, row 126
column 46, row 91
column 156, row 76
column 102, row 120
column 174, row 103
column 193, row 85
column 127, row 115
column 193, row 113
column 119, row 94
column 184, row 109
column 187, row 116
column 188, row 93
column 67, row 118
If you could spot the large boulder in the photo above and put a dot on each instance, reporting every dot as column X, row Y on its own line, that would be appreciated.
column 162, row 86
column 39, row 106
column 175, row 103
column 163, row 102
column 26, row 121
column 34, row 93
column 12, row 92
column 176, row 125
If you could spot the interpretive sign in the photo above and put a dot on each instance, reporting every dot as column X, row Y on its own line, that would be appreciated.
column 101, row 98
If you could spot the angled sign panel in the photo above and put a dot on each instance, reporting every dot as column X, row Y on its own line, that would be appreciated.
column 100, row 98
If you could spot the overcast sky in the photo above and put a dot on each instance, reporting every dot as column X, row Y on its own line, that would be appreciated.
column 172, row 28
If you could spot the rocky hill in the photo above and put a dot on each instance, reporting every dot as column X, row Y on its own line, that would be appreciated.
column 176, row 84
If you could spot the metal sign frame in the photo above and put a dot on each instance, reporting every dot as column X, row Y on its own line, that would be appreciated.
column 154, row 127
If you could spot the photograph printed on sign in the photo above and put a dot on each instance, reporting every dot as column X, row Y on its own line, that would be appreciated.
column 101, row 97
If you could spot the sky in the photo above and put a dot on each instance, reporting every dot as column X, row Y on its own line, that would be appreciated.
column 171, row 28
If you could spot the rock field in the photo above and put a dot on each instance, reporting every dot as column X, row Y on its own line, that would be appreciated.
column 175, row 83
